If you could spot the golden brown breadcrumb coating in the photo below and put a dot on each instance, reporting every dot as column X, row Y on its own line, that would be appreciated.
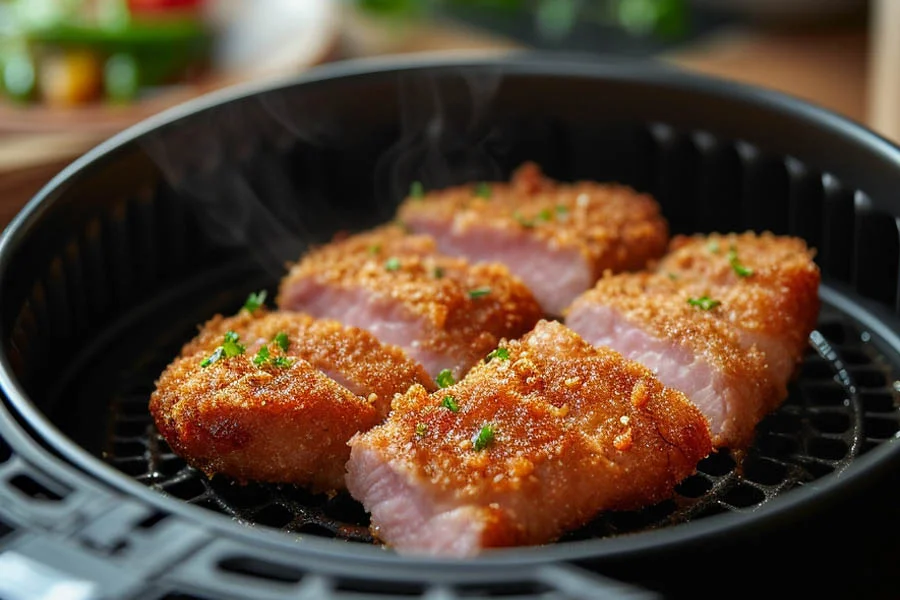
column 369, row 368
column 661, row 306
column 465, row 309
column 575, row 430
column 287, row 425
column 612, row 226
column 260, row 419
column 768, row 284
column 380, row 242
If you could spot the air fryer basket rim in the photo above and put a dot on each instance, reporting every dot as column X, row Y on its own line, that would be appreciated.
column 880, row 321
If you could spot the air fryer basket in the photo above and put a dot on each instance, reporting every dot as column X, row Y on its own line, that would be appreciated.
column 109, row 270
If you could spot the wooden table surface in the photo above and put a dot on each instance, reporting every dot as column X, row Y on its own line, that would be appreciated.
column 826, row 66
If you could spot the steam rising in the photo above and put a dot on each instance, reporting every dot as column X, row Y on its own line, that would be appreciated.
column 446, row 137
column 257, row 173
column 209, row 162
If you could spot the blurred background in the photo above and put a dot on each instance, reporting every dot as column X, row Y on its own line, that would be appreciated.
column 74, row 72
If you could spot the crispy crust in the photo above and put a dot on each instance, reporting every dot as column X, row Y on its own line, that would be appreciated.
column 372, row 367
column 780, row 299
column 658, row 305
column 612, row 226
column 278, row 424
column 380, row 242
column 565, row 414
column 435, row 289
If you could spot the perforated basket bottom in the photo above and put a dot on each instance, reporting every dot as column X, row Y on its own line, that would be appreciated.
column 842, row 404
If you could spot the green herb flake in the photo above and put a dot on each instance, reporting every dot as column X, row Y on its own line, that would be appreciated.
column 739, row 268
column 438, row 272
column 673, row 276
column 521, row 220
column 545, row 215
column 483, row 190
column 416, row 190
column 498, row 353
column 374, row 249
column 449, row 402
column 421, row 429
column 714, row 247
column 231, row 347
column 281, row 339
column 445, row 379
column 262, row 356
column 479, row 292
column 255, row 300
column 282, row 362
column 217, row 354
column 562, row 209
column 484, row 438
column 704, row 303
column 392, row 264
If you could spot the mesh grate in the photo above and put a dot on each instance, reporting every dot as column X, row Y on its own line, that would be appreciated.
column 843, row 403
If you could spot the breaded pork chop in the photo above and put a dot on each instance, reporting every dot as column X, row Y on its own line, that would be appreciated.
column 725, row 319
column 558, row 238
column 531, row 444
column 650, row 319
column 768, row 287
column 276, row 396
column 443, row 312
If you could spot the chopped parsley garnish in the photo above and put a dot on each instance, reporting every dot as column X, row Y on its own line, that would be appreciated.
column 282, row 340
column 438, row 272
column 739, row 268
column 484, row 438
column 417, row 190
column 704, row 302
column 282, row 362
column 449, row 402
column 229, row 348
column 392, row 264
column 374, row 249
column 421, row 429
column 673, row 276
column 545, row 216
column 562, row 209
column 217, row 354
column 498, row 353
column 713, row 246
column 526, row 223
column 445, row 379
column 255, row 300
column 262, row 356
column 479, row 292
column 483, row 190
column 231, row 345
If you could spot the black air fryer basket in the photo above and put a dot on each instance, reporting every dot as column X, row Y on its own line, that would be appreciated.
column 110, row 269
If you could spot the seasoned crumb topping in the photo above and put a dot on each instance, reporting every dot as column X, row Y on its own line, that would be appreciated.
column 537, row 417
column 612, row 226
column 766, row 284
column 369, row 366
column 465, row 309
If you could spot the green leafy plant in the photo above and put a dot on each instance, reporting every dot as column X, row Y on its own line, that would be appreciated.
column 555, row 19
